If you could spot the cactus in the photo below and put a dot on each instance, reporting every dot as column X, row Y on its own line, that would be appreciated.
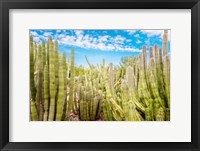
column 60, row 95
column 34, row 114
column 71, row 94
column 46, row 93
column 56, row 63
column 32, row 83
column 166, row 67
column 43, row 53
column 39, row 94
column 52, row 82
column 130, row 81
column 160, row 115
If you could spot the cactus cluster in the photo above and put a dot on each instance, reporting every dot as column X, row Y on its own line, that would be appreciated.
column 47, row 81
column 138, row 90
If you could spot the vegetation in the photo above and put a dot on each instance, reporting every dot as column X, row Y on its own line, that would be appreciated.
column 137, row 90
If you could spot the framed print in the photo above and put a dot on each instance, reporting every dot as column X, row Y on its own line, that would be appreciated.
column 99, row 75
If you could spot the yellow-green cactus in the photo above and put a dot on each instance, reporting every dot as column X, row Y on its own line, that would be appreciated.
column 71, row 84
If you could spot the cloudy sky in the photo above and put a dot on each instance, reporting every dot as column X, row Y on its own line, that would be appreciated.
column 98, row 44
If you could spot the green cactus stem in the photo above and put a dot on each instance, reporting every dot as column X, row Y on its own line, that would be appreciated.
column 71, row 85
column 46, row 93
column 39, row 94
column 166, row 66
column 34, row 114
column 43, row 53
column 159, row 76
column 130, row 81
column 32, row 83
column 160, row 115
column 52, row 82
column 60, row 95
column 56, row 64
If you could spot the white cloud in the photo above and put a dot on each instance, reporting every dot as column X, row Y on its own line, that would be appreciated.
column 147, row 42
column 104, row 43
column 151, row 33
column 137, row 36
column 61, row 35
column 138, row 42
column 79, row 32
column 128, row 40
column 43, row 37
column 35, row 34
column 36, row 39
column 130, row 32
column 119, row 38
column 89, row 41
column 103, row 38
column 47, row 34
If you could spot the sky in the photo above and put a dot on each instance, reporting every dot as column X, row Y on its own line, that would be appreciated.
column 98, row 44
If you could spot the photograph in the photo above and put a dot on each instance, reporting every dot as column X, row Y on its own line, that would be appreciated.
column 99, row 74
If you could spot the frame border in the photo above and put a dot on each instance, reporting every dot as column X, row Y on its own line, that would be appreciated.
column 5, row 5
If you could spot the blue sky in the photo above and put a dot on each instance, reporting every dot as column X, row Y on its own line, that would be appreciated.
column 98, row 44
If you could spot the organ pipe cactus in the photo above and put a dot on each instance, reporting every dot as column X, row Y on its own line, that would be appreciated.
column 71, row 84
column 32, row 83
column 46, row 93
column 39, row 94
column 52, row 82
column 60, row 95
column 56, row 63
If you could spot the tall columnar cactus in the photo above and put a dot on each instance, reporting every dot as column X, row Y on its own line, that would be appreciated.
column 52, row 82
column 111, row 78
column 35, row 53
column 48, row 56
column 56, row 64
column 144, row 58
column 44, row 53
column 130, row 81
column 63, row 64
column 154, row 89
column 166, row 66
column 143, row 92
column 165, row 42
column 64, row 69
column 159, row 76
column 39, row 94
column 32, row 83
column 61, row 93
column 71, row 85
column 46, row 93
